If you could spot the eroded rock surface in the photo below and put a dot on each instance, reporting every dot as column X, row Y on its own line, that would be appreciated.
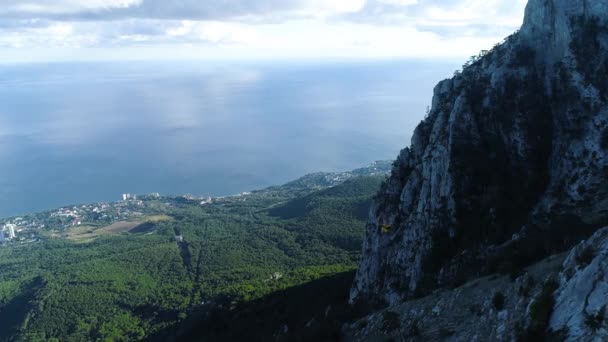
column 582, row 298
column 510, row 165
column 561, row 298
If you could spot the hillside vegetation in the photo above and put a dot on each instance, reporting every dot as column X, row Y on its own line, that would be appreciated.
column 132, row 284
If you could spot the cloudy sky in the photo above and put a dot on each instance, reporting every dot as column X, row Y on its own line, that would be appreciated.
column 51, row 30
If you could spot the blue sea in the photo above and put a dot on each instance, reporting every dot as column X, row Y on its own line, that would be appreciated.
column 87, row 132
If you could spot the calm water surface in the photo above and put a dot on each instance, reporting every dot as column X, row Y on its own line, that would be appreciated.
column 76, row 133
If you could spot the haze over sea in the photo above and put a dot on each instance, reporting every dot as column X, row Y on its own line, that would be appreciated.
column 80, row 133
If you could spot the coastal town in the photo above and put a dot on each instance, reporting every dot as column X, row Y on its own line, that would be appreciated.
column 33, row 227
column 28, row 228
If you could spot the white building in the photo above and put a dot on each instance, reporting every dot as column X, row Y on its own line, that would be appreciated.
column 11, row 231
column 8, row 232
column 2, row 236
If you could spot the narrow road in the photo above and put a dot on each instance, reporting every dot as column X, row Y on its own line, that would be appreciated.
column 185, row 253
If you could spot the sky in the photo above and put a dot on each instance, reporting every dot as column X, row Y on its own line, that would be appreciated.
column 79, row 30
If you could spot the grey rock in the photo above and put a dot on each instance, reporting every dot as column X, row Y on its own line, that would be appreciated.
column 511, row 142
column 462, row 314
column 582, row 298
column 467, row 313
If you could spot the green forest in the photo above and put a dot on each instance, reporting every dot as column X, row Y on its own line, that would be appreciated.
column 199, row 269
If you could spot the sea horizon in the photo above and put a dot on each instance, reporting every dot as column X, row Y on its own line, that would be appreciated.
column 88, row 132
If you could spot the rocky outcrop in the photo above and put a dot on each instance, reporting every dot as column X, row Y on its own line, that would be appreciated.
column 487, row 309
column 548, row 23
column 561, row 298
column 582, row 298
column 510, row 165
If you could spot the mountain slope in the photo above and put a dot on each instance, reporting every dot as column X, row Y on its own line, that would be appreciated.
column 546, row 302
column 510, row 165
column 90, row 283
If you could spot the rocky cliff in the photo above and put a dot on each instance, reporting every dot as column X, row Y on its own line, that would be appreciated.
column 561, row 298
column 582, row 297
column 509, row 166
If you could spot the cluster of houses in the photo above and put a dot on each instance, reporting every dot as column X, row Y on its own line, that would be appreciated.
column 129, row 197
column 7, row 232
column 29, row 226
column 10, row 228
column 72, row 216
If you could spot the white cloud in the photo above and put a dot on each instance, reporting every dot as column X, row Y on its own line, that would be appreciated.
column 331, row 7
column 399, row 2
column 46, row 7
column 178, row 9
column 92, row 29
column 475, row 11
column 59, row 30
column 221, row 32
column 182, row 29
column 54, row 35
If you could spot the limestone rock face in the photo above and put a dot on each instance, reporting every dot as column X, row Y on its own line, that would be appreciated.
column 512, row 145
column 582, row 298
column 470, row 312
column 571, row 288
column 549, row 21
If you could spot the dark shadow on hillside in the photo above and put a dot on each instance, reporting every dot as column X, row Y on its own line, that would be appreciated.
column 14, row 313
column 358, row 208
column 293, row 209
column 357, row 192
column 143, row 228
column 152, row 313
column 314, row 311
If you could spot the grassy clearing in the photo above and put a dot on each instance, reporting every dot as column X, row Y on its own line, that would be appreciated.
column 120, row 226
column 155, row 218
column 86, row 233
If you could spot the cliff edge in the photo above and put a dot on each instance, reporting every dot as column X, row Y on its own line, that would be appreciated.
column 510, row 165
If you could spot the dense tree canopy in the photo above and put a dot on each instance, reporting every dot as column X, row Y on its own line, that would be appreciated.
column 145, row 283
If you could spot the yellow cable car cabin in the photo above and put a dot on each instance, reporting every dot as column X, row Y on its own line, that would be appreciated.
column 386, row 228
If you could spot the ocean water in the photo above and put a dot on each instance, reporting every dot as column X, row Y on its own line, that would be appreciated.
column 79, row 133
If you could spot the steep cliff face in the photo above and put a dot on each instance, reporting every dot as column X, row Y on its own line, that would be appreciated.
column 510, row 165
column 562, row 298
